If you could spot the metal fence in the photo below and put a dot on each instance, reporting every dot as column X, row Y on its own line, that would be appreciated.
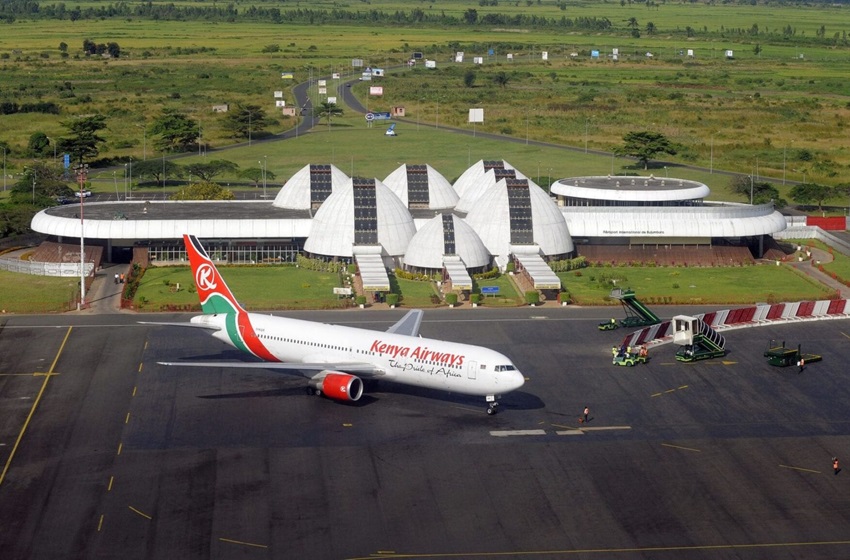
column 69, row 270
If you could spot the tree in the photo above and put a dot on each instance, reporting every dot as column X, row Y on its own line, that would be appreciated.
column 203, row 190
column 644, row 146
column 757, row 49
column 255, row 175
column 808, row 193
column 501, row 79
column 113, row 49
column 40, row 184
column 470, row 16
column 157, row 170
column 84, row 143
column 245, row 121
column 327, row 110
column 38, row 145
column 176, row 131
column 762, row 191
column 650, row 28
column 207, row 171
column 469, row 78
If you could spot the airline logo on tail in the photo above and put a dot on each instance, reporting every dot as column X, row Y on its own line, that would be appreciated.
column 216, row 298
column 214, row 294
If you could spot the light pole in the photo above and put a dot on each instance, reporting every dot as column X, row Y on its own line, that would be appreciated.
column 82, row 170
column 437, row 119
column 784, row 149
column 33, row 185
column 263, row 169
column 4, row 168
column 751, row 190
column 125, row 181
column 711, row 160
column 418, row 104
column 586, row 125
column 144, row 140
column 526, row 127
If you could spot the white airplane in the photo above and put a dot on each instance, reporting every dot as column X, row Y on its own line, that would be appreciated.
column 336, row 358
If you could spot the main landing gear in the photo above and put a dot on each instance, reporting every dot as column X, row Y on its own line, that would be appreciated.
column 492, row 406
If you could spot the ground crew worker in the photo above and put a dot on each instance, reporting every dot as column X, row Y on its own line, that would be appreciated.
column 802, row 364
column 587, row 411
column 614, row 351
column 642, row 352
column 116, row 277
column 613, row 321
column 835, row 465
column 122, row 277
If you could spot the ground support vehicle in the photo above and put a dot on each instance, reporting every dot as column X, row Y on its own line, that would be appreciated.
column 782, row 356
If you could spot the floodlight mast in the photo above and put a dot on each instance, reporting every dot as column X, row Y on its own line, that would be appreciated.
column 82, row 171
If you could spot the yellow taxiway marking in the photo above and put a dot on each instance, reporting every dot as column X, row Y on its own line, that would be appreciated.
column 347, row 425
column 111, row 480
column 799, row 469
column 33, row 374
column 140, row 367
column 34, row 406
column 120, row 446
column 680, row 447
column 603, row 551
column 845, row 334
column 100, row 523
column 668, row 391
column 145, row 515
column 601, row 428
column 134, row 391
column 233, row 541
column 127, row 419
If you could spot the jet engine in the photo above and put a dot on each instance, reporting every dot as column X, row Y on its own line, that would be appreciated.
column 338, row 386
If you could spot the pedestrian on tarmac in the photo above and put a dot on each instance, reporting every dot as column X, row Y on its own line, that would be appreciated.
column 586, row 412
column 802, row 364
column 835, row 467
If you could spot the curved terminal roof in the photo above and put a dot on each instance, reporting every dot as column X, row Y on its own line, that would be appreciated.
column 518, row 212
column 137, row 220
column 422, row 186
column 446, row 234
column 363, row 212
column 470, row 178
column 309, row 187
column 630, row 189
column 707, row 220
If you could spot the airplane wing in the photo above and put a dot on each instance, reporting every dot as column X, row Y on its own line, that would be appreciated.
column 207, row 326
column 409, row 324
column 363, row 369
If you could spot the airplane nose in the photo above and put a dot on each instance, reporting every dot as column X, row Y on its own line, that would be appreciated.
column 516, row 380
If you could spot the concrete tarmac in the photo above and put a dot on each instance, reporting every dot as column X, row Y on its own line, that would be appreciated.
column 106, row 454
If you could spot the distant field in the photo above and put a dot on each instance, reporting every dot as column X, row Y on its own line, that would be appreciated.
column 753, row 114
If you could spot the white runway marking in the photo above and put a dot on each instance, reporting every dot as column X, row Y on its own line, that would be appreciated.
column 506, row 433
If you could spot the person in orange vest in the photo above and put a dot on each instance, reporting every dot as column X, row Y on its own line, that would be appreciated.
column 835, row 467
column 802, row 364
column 122, row 278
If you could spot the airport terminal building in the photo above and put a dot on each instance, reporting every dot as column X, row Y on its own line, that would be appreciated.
column 415, row 219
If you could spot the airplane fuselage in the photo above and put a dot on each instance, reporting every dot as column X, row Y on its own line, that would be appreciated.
column 423, row 362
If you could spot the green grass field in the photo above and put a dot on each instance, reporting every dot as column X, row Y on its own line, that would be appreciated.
column 24, row 293
column 694, row 286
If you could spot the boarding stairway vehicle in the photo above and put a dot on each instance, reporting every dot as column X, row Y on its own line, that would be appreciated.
column 637, row 314
column 697, row 340
column 782, row 356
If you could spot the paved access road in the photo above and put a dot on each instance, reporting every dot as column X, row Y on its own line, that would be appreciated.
column 105, row 454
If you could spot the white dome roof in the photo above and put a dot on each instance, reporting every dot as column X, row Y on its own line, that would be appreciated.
column 298, row 194
column 470, row 186
column 439, row 194
column 491, row 220
column 333, row 229
column 428, row 246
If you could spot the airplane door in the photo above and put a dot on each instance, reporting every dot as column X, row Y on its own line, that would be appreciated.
column 472, row 370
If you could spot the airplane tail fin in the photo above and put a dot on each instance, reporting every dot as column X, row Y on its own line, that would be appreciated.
column 214, row 294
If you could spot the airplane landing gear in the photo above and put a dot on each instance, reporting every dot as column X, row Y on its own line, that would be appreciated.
column 492, row 405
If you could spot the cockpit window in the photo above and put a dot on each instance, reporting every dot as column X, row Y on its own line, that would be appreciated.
column 505, row 368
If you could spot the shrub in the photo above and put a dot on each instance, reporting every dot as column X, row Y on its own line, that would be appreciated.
column 451, row 298
column 475, row 298
column 510, row 267
column 360, row 300
column 532, row 297
column 392, row 299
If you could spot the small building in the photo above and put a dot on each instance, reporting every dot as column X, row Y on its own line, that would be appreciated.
column 223, row 108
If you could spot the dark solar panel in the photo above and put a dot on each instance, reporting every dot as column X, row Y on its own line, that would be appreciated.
column 519, row 204
column 448, row 235
column 502, row 173
column 417, row 186
column 493, row 164
column 365, row 212
column 320, row 184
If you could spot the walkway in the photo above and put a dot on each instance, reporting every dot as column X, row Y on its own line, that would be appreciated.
column 809, row 268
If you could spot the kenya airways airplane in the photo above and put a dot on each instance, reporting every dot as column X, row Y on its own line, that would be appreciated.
column 335, row 359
